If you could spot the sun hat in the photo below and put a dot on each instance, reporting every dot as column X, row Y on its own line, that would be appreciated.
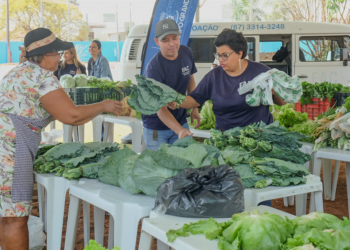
column 166, row 27
column 42, row 41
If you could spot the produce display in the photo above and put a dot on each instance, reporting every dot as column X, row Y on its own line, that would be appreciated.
column 149, row 96
column 80, row 80
column 331, row 129
column 320, row 90
column 75, row 160
column 287, row 116
column 255, row 230
column 261, row 167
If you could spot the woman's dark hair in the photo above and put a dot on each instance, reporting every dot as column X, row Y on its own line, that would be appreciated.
column 235, row 40
column 98, row 43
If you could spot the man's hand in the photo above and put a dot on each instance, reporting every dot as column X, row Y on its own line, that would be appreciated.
column 184, row 132
column 172, row 105
column 195, row 116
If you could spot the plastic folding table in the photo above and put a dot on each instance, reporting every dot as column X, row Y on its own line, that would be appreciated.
column 52, row 208
column 159, row 224
column 134, row 123
column 125, row 211
column 200, row 133
column 337, row 155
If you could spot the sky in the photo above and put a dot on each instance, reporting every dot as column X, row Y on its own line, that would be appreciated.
column 141, row 10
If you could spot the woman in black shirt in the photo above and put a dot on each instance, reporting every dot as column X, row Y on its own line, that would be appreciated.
column 70, row 65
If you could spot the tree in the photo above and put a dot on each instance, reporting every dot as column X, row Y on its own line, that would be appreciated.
column 25, row 16
column 311, row 10
column 241, row 10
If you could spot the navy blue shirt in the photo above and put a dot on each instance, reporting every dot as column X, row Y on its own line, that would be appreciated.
column 70, row 69
column 230, row 108
column 174, row 73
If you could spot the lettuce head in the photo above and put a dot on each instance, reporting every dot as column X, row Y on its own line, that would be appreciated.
column 81, row 80
column 67, row 81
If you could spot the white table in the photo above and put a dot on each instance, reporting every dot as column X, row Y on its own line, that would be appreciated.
column 200, row 133
column 134, row 123
column 52, row 208
column 332, row 154
column 125, row 211
column 159, row 224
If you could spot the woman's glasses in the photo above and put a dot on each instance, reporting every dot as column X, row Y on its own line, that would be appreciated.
column 223, row 56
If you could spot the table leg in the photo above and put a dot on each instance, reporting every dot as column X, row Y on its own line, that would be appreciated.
column 81, row 132
column 146, row 241
column 161, row 245
column 300, row 204
column 86, row 220
column 99, row 220
column 291, row 200
column 347, row 172
column 137, row 137
column 318, row 201
column 111, row 233
column 105, row 135
column 75, row 134
column 312, row 203
column 327, row 178
column 285, row 201
column 335, row 179
column 67, row 133
column 110, row 133
column 316, row 170
column 55, row 213
column 52, row 125
column 97, row 128
column 72, row 223
column 41, row 203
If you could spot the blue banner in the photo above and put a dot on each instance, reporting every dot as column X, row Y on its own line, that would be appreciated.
column 181, row 11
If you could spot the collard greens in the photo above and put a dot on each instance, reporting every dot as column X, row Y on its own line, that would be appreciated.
column 149, row 96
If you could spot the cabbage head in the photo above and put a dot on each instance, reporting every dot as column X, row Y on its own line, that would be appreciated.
column 81, row 80
column 255, row 230
column 67, row 81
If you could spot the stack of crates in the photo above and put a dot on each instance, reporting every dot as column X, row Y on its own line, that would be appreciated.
column 316, row 108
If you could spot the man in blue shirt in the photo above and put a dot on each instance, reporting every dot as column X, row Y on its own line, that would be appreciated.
column 174, row 66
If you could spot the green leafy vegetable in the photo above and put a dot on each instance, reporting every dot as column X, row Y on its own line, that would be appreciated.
column 87, row 171
column 194, row 153
column 249, row 178
column 109, row 172
column 151, row 169
column 149, row 96
column 275, row 168
column 93, row 245
column 81, row 80
column 67, row 81
column 125, row 174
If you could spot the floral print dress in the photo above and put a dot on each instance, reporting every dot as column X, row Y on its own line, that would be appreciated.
column 20, row 93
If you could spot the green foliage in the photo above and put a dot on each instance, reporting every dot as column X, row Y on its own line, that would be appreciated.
column 275, row 168
column 93, row 245
column 208, row 119
column 150, row 170
column 319, row 90
column 87, row 171
column 25, row 16
column 149, row 96
column 290, row 117
column 109, row 172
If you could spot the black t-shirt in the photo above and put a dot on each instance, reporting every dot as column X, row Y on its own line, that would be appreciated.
column 70, row 69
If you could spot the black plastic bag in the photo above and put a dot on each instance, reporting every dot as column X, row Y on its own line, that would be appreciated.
column 204, row 192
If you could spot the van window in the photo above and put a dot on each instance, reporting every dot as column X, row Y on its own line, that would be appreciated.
column 322, row 48
column 268, row 49
column 203, row 49
column 251, row 48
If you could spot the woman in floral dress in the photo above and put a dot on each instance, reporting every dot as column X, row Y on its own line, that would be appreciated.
column 30, row 98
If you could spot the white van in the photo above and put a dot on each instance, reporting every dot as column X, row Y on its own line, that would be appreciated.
column 316, row 48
